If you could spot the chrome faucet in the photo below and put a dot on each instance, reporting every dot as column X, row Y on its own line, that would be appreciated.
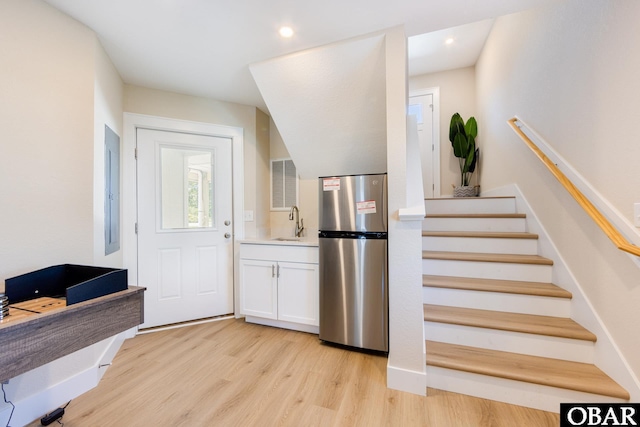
column 299, row 221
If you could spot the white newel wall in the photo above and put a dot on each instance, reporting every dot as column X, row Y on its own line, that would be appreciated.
column 406, row 365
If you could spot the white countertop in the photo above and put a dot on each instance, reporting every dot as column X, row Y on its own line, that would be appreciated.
column 283, row 241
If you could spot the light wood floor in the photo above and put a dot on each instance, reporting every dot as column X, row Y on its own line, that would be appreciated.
column 231, row 373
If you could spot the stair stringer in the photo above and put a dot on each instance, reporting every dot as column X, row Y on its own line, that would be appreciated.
column 607, row 355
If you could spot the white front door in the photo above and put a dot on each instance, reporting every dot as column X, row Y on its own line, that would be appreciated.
column 185, row 249
column 422, row 107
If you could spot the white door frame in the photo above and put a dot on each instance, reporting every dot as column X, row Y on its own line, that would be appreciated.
column 435, row 92
column 129, row 181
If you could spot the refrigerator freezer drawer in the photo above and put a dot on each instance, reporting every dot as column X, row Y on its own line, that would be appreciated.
column 353, row 292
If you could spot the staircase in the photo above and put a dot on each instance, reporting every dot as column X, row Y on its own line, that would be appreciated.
column 495, row 325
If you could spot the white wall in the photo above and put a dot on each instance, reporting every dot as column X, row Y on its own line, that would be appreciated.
column 58, row 90
column 308, row 197
column 261, row 215
column 108, row 93
column 457, row 95
column 571, row 72
column 46, row 118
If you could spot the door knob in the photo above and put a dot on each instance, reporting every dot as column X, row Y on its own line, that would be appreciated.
column 227, row 222
column 227, row 235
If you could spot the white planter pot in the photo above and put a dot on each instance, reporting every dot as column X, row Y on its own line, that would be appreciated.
column 466, row 191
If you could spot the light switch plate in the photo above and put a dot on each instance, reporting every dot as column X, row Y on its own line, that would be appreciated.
column 248, row 216
column 636, row 214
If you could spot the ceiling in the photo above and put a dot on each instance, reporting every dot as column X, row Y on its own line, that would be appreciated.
column 448, row 49
column 205, row 47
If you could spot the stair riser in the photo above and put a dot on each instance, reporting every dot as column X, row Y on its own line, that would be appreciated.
column 488, row 270
column 483, row 245
column 514, row 392
column 496, row 301
column 456, row 206
column 514, row 342
column 474, row 224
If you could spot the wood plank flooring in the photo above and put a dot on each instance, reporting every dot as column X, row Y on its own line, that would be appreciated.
column 231, row 373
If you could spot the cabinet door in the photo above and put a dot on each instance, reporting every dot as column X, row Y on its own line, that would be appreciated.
column 258, row 288
column 298, row 293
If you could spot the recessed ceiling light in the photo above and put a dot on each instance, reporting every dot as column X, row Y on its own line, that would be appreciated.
column 450, row 40
column 286, row 32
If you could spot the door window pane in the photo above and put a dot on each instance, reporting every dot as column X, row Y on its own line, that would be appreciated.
column 416, row 110
column 187, row 188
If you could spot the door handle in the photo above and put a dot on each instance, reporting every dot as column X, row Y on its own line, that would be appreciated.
column 227, row 223
column 227, row 235
column 273, row 270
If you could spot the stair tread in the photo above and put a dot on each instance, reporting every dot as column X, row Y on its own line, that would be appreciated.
column 482, row 234
column 487, row 257
column 562, row 327
column 477, row 215
column 494, row 285
column 472, row 198
column 576, row 376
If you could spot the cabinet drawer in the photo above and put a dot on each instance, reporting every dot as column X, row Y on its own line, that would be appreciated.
column 306, row 254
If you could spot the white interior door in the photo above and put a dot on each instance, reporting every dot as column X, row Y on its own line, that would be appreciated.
column 422, row 107
column 185, row 249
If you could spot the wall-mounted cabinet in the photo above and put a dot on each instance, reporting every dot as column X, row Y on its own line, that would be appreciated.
column 279, row 285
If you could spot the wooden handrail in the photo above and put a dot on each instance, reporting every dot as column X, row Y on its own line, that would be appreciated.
column 612, row 233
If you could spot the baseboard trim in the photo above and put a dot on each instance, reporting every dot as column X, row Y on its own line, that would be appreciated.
column 312, row 329
column 405, row 380
column 184, row 324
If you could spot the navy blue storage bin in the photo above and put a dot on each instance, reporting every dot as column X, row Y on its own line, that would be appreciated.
column 76, row 283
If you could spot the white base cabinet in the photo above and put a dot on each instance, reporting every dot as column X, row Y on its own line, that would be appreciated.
column 258, row 288
column 279, row 285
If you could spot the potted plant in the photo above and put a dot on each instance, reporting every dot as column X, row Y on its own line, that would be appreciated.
column 463, row 140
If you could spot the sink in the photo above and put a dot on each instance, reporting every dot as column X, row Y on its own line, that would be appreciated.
column 287, row 239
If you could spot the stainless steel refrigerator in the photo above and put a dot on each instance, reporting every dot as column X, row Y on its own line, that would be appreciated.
column 353, row 261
